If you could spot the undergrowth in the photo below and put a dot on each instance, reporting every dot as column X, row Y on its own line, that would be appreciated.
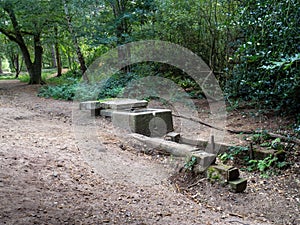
column 267, row 166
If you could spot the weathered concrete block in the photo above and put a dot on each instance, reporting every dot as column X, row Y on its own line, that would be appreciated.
column 173, row 136
column 89, row 105
column 233, row 174
column 93, row 106
column 204, row 160
column 222, row 147
column 123, row 103
column 149, row 122
column 222, row 173
column 238, row 185
column 179, row 150
column 261, row 154
column 106, row 112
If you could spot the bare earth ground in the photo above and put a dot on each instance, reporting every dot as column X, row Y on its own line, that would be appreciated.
column 48, row 176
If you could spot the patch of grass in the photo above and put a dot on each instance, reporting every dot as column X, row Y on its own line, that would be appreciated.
column 7, row 77
column 45, row 74
column 24, row 78
column 70, row 87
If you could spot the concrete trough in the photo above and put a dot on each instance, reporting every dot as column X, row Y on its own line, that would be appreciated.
column 148, row 122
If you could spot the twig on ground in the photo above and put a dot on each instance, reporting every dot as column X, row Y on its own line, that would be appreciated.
column 195, row 184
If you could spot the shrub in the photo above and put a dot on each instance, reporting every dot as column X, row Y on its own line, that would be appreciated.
column 267, row 72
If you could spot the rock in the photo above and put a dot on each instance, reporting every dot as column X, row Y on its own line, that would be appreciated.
column 238, row 185
column 261, row 154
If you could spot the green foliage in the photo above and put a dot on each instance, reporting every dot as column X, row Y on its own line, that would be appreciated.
column 232, row 152
column 64, row 91
column 262, row 165
column 266, row 166
column 7, row 77
column 115, row 84
column 261, row 137
column 70, row 86
column 190, row 163
column 268, row 71
column 201, row 26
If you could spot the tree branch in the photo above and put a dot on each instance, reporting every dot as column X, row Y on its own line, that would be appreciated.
column 8, row 34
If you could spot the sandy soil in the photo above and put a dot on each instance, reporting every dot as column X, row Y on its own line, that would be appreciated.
column 49, row 176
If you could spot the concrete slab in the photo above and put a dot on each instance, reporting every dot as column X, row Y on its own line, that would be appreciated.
column 123, row 103
column 201, row 143
column 89, row 105
column 106, row 112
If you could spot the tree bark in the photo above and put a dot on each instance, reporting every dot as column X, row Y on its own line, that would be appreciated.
column 1, row 71
column 53, row 54
column 57, row 54
column 35, row 68
column 58, row 60
column 15, row 64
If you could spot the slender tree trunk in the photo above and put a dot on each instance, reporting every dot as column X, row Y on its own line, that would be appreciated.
column 1, row 71
column 75, row 41
column 53, row 54
column 58, row 60
column 17, row 65
column 57, row 53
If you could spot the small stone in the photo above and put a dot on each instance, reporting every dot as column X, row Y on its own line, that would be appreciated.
column 238, row 185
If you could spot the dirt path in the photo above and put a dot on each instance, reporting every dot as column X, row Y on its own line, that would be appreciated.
column 46, row 178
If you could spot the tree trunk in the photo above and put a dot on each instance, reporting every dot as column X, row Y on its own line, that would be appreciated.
column 75, row 42
column 35, row 68
column 16, row 65
column 53, row 54
column 58, row 60
column 57, row 54
column 1, row 71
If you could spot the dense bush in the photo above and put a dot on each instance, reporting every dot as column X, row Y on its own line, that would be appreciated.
column 70, row 86
column 267, row 71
